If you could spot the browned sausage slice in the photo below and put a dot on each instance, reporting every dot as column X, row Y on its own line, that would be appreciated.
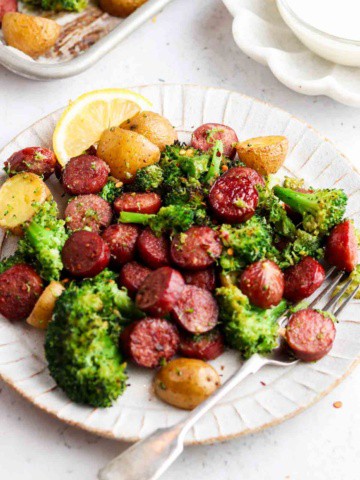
column 201, row 278
column 196, row 249
column 153, row 250
column 85, row 174
column 310, row 334
column 20, row 287
column 132, row 275
column 149, row 203
column 38, row 160
column 149, row 341
column 341, row 248
column 303, row 279
column 122, row 239
column 89, row 212
column 204, row 137
column 196, row 310
column 85, row 254
column 160, row 291
column 233, row 199
column 206, row 346
column 246, row 172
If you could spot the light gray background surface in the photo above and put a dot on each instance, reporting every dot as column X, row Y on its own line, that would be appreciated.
column 190, row 42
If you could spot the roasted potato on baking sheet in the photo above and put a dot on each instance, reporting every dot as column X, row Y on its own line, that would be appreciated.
column 263, row 154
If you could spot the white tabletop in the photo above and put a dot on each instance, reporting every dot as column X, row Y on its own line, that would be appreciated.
column 190, row 42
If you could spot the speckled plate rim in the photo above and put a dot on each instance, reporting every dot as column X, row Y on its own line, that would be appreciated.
column 194, row 91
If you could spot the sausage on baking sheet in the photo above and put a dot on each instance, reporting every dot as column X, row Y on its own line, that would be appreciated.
column 89, row 212
column 201, row 278
column 196, row 310
column 195, row 249
column 149, row 341
column 148, row 203
column 38, row 160
column 160, row 291
column 204, row 137
column 154, row 251
column 303, row 279
column 341, row 248
column 85, row 174
column 310, row 334
column 85, row 254
column 206, row 346
column 20, row 287
column 132, row 275
column 122, row 239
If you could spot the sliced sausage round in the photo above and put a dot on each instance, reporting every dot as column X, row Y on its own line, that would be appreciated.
column 85, row 254
column 7, row 6
column 263, row 283
column 196, row 310
column 195, row 249
column 233, row 199
column 310, row 334
column 246, row 172
column 149, row 203
column 149, row 341
column 132, row 276
column 206, row 346
column 85, row 174
column 38, row 160
column 88, row 212
column 122, row 239
column 160, row 291
column 201, row 278
column 341, row 248
column 303, row 279
column 154, row 251
column 204, row 137
column 20, row 288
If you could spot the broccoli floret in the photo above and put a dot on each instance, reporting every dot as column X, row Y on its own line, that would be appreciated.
column 355, row 277
column 44, row 237
column 9, row 262
column 293, row 183
column 111, row 190
column 215, row 164
column 249, row 329
column 304, row 244
column 58, row 5
column 81, row 343
column 246, row 243
column 148, row 179
column 173, row 219
column 321, row 209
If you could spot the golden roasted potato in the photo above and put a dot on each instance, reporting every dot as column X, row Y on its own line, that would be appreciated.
column 120, row 8
column 186, row 382
column 32, row 35
column 263, row 154
column 125, row 152
column 153, row 126
column 19, row 197
column 44, row 307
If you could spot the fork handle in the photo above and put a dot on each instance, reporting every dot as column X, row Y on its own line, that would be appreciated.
column 150, row 458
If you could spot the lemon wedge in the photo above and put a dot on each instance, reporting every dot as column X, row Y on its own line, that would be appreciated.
column 84, row 120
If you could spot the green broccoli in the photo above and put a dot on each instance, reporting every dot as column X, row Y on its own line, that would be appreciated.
column 81, row 344
column 173, row 219
column 294, row 183
column 215, row 164
column 44, row 237
column 355, row 277
column 249, row 329
column 148, row 179
column 12, row 260
column 246, row 243
column 321, row 209
column 111, row 190
column 304, row 244
column 58, row 5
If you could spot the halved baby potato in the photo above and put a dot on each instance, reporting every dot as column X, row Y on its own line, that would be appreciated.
column 263, row 154
column 44, row 307
column 153, row 126
column 126, row 152
column 20, row 197
column 32, row 35
column 120, row 8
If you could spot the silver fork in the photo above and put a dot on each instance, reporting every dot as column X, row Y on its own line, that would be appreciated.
column 152, row 456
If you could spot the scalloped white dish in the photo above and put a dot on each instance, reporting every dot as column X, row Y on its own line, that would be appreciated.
column 261, row 33
column 267, row 398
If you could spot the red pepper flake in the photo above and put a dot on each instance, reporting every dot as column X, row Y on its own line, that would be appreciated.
column 337, row 404
column 263, row 383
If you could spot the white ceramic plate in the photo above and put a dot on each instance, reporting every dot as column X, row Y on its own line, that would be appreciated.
column 261, row 33
column 270, row 396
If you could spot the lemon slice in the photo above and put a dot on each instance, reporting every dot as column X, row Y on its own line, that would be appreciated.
column 84, row 120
